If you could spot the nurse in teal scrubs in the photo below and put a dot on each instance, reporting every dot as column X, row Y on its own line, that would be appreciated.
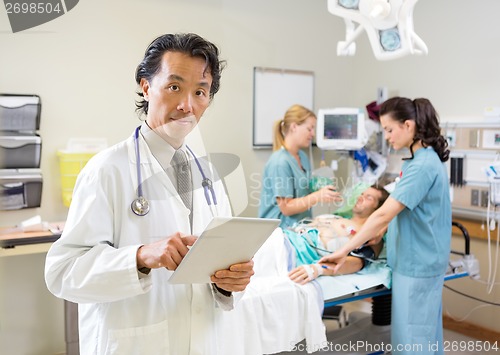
column 285, row 190
column 418, row 238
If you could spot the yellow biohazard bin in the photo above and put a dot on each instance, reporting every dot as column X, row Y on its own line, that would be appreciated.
column 72, row 160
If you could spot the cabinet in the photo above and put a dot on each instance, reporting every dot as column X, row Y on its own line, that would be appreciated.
column 20, row 152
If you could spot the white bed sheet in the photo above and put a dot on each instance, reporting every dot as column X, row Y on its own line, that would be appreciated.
column 274, row 313
column 374, row 274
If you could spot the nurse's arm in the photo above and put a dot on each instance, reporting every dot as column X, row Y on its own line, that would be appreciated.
column 378, row 238
column 290, row 206
column 377, row 221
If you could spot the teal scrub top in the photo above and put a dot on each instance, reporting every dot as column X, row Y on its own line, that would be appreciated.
column 306, row 246
column 419, row 237
column 284, row 178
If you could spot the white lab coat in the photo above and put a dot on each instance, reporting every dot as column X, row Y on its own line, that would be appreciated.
column 94, row 261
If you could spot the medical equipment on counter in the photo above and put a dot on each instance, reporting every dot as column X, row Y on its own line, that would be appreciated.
column 33, row 224
column 341, row 129
column 140, row 206
column 388, row 24
column 32, row 233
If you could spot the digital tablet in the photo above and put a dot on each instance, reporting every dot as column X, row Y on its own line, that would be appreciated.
column 225, row 241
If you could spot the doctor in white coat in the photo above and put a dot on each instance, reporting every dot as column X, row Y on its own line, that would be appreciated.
column 116, row 264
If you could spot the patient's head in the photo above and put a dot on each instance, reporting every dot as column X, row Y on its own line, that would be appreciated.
column 371, row 199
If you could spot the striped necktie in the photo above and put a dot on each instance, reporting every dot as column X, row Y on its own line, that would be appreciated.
column 184, row 182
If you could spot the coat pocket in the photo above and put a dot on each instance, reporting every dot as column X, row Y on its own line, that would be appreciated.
column 150, row 339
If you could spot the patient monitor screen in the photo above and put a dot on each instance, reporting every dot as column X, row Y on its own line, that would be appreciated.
column 341, row 126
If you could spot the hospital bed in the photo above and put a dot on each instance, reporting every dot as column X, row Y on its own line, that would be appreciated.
column 275, row 314
column 465, row 266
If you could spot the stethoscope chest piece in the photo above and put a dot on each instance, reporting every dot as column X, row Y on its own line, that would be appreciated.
column 140, row 206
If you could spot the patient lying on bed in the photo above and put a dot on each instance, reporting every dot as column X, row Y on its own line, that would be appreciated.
column 271, row 298
column 327, row 233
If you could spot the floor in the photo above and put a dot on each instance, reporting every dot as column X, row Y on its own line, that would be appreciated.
column 360, row 327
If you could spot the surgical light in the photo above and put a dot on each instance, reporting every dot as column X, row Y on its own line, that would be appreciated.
column 388, row 24
column 390, row 39
column 349, row 4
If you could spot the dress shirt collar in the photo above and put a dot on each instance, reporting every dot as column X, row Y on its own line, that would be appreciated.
column 161, row 150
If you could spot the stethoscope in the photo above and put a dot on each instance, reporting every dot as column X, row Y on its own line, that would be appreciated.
column 355, row 252
column 322, row 251
column 140, row 206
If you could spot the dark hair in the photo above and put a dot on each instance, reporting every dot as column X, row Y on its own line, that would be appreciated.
column 384, row 194
column 427, row 128
column 188, row 43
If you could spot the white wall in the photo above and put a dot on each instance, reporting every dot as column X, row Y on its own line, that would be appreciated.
column 82, row 65
column 459, row 75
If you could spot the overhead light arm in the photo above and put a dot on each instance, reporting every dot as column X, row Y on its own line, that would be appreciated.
column 388, row 24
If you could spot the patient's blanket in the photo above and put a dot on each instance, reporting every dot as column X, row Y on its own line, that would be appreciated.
column 374, row 274
column 273, row 316
column 274, row 313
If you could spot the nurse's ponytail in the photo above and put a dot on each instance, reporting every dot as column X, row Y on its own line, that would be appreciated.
column 295, row 114
column 426, row 119
column 278, row 135
column 428, row 130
